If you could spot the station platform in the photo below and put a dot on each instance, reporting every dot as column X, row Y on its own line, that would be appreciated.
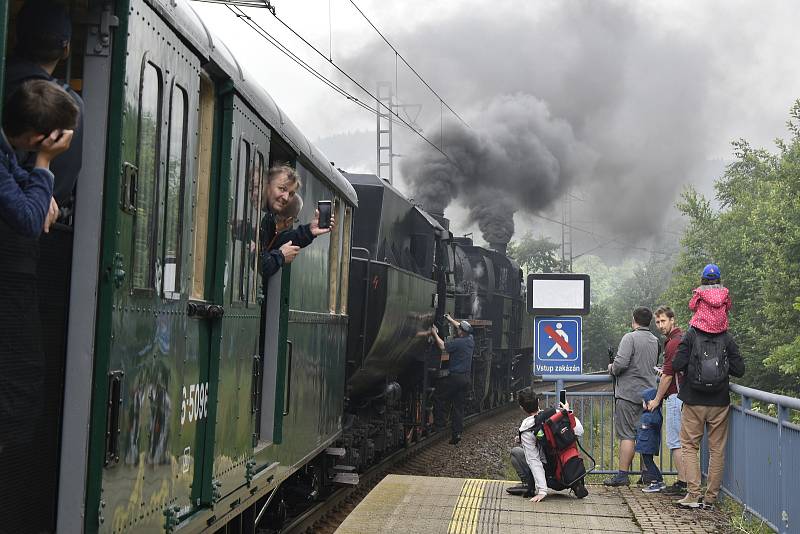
column 431, row 505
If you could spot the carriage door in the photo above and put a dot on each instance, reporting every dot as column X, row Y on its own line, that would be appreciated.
column 158, row 353
column 239, row 370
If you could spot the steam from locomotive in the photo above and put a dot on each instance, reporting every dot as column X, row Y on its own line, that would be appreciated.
column 516, row 156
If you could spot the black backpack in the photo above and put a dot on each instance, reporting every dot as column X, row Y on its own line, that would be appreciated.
column 710, row 358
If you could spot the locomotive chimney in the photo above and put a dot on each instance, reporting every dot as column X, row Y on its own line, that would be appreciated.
column 499, row 247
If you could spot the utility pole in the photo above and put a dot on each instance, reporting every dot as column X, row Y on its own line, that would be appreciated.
column 384, row 103
column 566, row 233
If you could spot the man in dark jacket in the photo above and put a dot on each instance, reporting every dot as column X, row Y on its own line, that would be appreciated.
column 454, row 387
column 44, row 32
column 280, row 248
column 700, row 408
column 37, row 109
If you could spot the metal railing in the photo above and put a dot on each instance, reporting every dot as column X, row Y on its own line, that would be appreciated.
column 595, row 410
column 762, row 457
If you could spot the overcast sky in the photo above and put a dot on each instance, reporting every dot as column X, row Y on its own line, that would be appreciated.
column 620, row 103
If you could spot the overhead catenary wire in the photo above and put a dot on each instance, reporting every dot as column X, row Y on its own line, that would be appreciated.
column 601, row 236
column 361, row 86
column 235, row 8
column 244, row 17
column 403, row 59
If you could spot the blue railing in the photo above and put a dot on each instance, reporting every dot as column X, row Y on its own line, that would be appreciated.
column 762, row 458
column 595, row 409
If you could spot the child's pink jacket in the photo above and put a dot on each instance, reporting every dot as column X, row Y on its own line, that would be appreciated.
column 710, row 305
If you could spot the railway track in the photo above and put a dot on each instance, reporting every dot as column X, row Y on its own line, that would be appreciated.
column 326, row 516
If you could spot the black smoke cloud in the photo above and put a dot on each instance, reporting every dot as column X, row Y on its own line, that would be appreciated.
column 513, row 156
column 601, row 96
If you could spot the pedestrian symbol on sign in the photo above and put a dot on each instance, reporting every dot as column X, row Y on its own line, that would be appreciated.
column 561, row 340
column 557, row 345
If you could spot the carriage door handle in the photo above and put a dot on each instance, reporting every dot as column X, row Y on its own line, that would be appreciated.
column 202, row 310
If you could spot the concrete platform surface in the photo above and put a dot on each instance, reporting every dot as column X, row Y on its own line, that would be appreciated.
column 431, row 505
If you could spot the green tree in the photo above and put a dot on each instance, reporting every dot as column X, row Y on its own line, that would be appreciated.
column 755, row 238
column 535, row 255
column 599, row 333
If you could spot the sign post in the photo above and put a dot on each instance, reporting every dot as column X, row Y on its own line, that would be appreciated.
column 558, row 301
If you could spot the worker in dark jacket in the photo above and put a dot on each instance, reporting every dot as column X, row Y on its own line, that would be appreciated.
column 44, row 32
column 453, row 388
column 281, row 247
column 703, row 408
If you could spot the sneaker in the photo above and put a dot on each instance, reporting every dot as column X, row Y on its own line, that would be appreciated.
column 675, row 489
column 455, row 439
column 620, row 479
column 655, row 487
column 708, row 506
column 690, row 501
column 519, row 489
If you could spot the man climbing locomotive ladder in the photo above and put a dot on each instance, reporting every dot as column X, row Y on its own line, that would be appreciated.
column 453, row 388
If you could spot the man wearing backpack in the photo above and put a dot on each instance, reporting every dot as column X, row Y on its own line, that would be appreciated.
column 707, row 361
column 536, row 461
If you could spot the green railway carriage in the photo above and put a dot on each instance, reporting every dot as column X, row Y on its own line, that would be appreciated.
column 189, row 393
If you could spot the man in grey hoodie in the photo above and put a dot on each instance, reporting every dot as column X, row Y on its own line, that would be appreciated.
column 633, row 368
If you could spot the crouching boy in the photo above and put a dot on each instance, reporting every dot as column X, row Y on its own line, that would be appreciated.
column 530, row 460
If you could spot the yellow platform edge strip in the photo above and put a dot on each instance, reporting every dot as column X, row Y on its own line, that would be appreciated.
column 468, row 507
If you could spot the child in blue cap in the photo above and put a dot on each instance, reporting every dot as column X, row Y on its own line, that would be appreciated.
column 648, row 441
column 710, row 302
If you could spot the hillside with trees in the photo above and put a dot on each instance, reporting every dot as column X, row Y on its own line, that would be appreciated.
column 753, row 235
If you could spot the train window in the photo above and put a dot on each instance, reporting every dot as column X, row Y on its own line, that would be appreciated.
column 202, row 186
column 240, row 231
column 334, row 258
column 176, row 160
column 253, row 275
column 147, row 161
column 346, row 235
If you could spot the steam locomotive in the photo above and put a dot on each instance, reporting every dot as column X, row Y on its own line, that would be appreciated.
column 179, row 395
column 408, row 270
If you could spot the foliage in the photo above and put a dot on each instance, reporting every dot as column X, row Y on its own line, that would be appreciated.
column 599, row 333
column 535, row 255
column 754, row 236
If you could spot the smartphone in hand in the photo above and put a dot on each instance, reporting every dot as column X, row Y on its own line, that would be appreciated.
column 324, row 207
column 562, row 396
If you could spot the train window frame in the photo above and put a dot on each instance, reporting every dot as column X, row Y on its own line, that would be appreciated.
column 175, row 293
column 344, row 284
column 238, row 294
column 202, row 187
column 334, row 257
column 255, row 211
column 147, row 286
